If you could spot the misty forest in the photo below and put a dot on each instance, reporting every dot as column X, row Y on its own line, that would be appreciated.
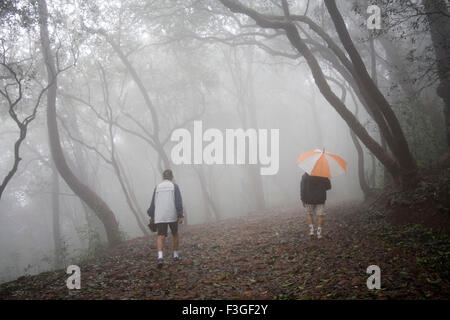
column 93, row 92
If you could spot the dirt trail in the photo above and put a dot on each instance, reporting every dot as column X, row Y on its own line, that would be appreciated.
column 267, row 256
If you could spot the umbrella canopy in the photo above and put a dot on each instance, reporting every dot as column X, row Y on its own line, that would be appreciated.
column 321, row 164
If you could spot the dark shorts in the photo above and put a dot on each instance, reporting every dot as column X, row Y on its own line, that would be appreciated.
column 162, row 228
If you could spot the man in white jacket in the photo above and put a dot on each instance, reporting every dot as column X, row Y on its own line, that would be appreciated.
column 166, row 210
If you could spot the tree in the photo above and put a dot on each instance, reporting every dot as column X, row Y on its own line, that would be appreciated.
column 403, row 167
column 242, row 74
column 112, row 158
column 367, row 191
column 18, row 77
column 105, row 214
column 57, row 240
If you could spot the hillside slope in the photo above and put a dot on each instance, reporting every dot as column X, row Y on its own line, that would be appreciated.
column 268, row 256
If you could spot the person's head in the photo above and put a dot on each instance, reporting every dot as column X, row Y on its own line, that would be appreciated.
column 167, row 175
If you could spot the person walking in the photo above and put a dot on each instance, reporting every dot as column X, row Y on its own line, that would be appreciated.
column 166, row 210
column 313, row 193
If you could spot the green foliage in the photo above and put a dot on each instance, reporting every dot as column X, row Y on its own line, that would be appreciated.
column 431, row 249
column 15, row 12
column 424, row 130
column 432, row 191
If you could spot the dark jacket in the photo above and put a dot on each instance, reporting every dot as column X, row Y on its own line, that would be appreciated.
column 313, row 190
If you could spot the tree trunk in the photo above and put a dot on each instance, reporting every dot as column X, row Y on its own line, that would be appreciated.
column 246, row 108
column 401, row 150
column 58, row 259
column 373, row 64
column 254, row 172
column 319, row 131
column 164, row 162
column 17, row 159
column 95, row 228
column 361, row 172
column 125, row 189
column 319, row 78
column 105, row 214
column 365, row 101
column 348, row 117
column 115, row 160
column 206, row 194
column 439, row 21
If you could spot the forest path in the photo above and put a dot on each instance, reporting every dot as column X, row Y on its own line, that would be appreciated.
column 267, row 256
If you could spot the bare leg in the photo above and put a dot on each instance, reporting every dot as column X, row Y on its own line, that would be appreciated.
column 176, row 241
column 319, row 221
column 310, row 219
column 160, row 243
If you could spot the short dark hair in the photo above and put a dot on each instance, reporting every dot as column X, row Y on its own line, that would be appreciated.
column 167, row 174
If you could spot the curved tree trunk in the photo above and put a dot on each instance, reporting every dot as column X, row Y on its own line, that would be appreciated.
column 348, row 117
column 164, row 162
column 156, row 143
column 361, row 172
column 115, row 160
column 94, row 202
column 402, row 167
column 17, row 159
column 95, row 229
column 124, row 185
column 401, row 150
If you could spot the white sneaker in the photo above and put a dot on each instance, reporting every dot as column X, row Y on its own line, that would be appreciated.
column 319, row 233
column 311, row 230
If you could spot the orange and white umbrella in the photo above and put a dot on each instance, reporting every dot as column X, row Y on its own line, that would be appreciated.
column 321, row 164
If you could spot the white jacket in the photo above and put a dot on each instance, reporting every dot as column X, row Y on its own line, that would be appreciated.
column 166, row 203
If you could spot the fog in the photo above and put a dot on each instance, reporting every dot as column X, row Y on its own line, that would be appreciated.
column 133, row 72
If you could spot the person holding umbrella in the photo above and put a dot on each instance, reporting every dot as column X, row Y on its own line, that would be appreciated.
column 319, row 167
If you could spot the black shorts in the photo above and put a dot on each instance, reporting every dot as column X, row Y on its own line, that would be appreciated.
column 162, row 228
